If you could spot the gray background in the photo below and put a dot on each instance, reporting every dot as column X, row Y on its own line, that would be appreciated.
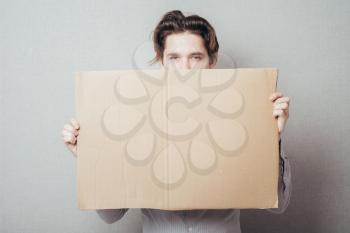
column 44, row 42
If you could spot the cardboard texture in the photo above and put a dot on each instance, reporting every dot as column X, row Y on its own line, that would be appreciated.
column 165, row 139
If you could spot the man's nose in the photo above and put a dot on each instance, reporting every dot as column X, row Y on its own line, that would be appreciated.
column 185, row 64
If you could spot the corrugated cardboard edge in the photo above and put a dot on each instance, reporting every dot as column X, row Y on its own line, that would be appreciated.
column 275, row 74
column 77, row 79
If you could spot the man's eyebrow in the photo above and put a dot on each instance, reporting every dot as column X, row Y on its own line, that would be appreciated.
column 191, row 54
column 197, row 53
column 172, row 54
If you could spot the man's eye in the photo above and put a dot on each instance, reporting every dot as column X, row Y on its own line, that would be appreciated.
column 197, row 57
column 172, row 58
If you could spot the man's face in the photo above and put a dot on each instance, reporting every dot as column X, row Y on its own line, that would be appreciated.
column 185, row 51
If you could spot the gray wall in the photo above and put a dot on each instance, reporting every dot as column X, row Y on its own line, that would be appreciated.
column 44, row 42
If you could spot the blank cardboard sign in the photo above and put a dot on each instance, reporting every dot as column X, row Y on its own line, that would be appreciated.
column 177, row 139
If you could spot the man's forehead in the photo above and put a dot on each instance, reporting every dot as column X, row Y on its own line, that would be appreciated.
column 184, row 43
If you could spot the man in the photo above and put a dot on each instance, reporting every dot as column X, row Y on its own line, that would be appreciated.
column 186, row 43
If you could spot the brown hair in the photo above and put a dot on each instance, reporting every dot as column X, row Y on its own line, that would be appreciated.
column 175, row 22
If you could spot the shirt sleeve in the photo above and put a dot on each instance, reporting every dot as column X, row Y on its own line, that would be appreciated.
column 111, row 215
column 284, row 183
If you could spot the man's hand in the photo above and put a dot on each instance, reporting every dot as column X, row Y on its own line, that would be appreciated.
column 280, row 109
column 70, row 134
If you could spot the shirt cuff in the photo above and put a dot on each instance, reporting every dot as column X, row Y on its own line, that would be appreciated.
column 284, row 182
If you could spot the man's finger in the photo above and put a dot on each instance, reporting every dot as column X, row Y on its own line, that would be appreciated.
column 68, row 127
column 277, row 112
column 75, row 123
column 275, row 95
column 282, row 106
column 283, row 99
column 69, row 139
column 66, row 133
